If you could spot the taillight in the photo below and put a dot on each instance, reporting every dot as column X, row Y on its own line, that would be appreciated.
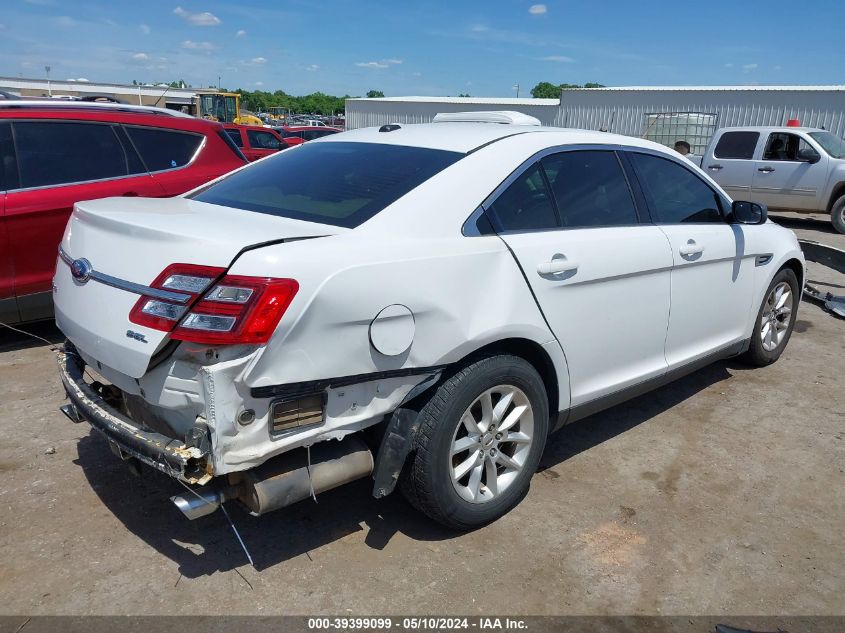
column 218, row 311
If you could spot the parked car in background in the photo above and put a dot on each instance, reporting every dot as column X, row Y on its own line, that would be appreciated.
column 54, row 154
column 255, row 141
column 472, row 283
column 298, row 134
column 789, row 168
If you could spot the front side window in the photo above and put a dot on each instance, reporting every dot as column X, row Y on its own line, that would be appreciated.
column 526, row 205
column 740, row 145
column 56, row 153
column 675, row 193
column 164, row 149
column 590, row 189
column 262, row 140
column 784, row 146
column 343, row 184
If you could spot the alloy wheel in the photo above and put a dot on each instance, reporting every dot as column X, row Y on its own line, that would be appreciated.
column 776, row 316
column 491, row 443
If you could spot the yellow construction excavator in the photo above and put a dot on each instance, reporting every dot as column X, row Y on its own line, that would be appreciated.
column 224, row 107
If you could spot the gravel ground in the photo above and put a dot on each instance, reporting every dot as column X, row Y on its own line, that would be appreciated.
column 721, row 493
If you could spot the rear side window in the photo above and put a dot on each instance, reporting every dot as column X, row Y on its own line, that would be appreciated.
column 56, row 153
column 235, row 135
column 164, row 149
column 343, row 184
column 737, row 145
column 526, row 205
column 590, row 189
column 675, row 194
column 263, row 140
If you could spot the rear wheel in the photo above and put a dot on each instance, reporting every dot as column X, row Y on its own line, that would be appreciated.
column 480, row 439
column 837, row 214
column 775, row 319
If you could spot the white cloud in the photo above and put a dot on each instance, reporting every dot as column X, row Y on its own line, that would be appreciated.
column 2, row 27
column 729, row 65
column 479, row 28
column 562, row 59
column 259, row 83
column 198, row 46
column 778, row 67
column 144, row 28
column 258, row 60
column 384, row 63
column 240, row 33
column 141, row 57
column 82, row 79
column 313, row 67
column 64, row 21
column 41, row 3
column 537, row 9
column 417, row 74
column 749, row 67
column 197, row 19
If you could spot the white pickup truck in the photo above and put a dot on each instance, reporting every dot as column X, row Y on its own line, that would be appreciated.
column 790, row 168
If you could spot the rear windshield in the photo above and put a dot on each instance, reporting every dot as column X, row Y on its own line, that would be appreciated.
column 343, row 184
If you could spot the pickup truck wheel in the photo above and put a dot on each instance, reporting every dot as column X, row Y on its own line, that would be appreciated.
column 479, row 442
column 837, row 214
column 775, row 319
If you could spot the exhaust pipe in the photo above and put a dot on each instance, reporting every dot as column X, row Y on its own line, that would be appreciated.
column 198, row 504
column 284, row 480
column 70, row 411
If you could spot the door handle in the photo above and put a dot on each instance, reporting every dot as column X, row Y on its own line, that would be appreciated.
column 766, row 170
column 715, row 167
column 557, row 265
column 690, row 248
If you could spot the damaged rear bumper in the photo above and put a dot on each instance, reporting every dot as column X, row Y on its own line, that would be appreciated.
column 171, row 456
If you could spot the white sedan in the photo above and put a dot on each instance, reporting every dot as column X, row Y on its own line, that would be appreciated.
column 419, row 303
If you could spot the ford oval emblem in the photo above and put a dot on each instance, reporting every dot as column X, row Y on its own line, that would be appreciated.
column 81, row 270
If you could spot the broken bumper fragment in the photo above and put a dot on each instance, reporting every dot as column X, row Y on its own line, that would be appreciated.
column 171, row 456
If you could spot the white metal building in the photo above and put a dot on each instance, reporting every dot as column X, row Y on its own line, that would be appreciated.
column 162, row 96
column 663, row 114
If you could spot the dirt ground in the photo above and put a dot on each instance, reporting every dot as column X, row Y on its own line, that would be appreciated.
column 723, row 493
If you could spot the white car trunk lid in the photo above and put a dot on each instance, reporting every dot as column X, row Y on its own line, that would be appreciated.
column 134, row 240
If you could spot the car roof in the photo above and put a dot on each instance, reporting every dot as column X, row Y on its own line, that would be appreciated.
column 63, row 104
column 111, row 115
column 303, row 128
column 770, row 128
column 467, row 137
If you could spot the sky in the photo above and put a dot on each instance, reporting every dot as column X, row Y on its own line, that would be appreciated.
column 424, row 48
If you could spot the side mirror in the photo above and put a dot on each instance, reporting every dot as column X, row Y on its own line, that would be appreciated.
column 748, row 213
column 808, row 155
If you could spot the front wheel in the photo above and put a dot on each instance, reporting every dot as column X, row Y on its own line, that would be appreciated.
column 775, row 319
column 480, row 439
column 837, row 215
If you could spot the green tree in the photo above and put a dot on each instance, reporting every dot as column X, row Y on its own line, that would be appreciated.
column 464, row 94
column 374, row 94
column 545, row 90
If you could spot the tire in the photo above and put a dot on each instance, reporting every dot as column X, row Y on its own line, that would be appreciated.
column 768, row 343
column 434, row 481
column 837, row 215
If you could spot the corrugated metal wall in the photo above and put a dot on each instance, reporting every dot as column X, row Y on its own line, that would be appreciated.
column 373, row 112
column 624, row 111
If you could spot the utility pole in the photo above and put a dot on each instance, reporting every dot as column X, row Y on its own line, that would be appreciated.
column 218, row 83
column 49, row 88
column 516, row 87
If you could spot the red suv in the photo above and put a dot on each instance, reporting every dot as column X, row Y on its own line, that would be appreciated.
column 53, row 155
column 255, row 141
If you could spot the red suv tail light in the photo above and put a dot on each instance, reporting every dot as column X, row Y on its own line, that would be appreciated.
column 220, row 310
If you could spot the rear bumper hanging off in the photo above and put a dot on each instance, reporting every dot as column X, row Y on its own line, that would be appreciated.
column 171, row 456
